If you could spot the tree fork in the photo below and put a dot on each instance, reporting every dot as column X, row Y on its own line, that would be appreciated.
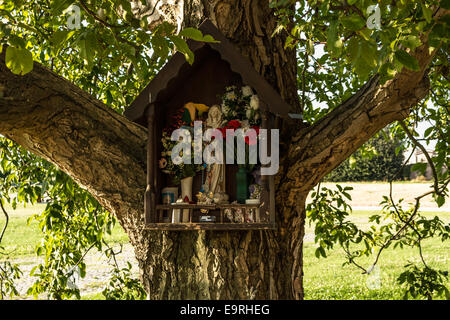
column 106, row 153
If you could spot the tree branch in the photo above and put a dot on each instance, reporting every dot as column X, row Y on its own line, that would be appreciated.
column 100, row 149
column 6, row 222
column 425, row 152
column 319, row 149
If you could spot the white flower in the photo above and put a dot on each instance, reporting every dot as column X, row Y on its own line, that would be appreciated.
column 230, row 96
column 248, row 113
column 254, row 102
column 225, row 109
column 247, row 91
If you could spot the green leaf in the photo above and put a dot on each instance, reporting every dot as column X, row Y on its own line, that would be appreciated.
column 58, row 39
column 369, row 54
column 353, row 22
column 88, row 47
column 428, row 131
column 412, row 42
column 366, row 58
column 182, row 47
column 407, row 60
column 421, row 167
column 58, row 6
column 197, row 35
column 209, row 38
column 440, row 200
column 427, row 13
column 353, row 49
column 191, row 33
column 332, row 35
column 365, row 33
column 19, row 61
column 447, row 293
column 386, row 72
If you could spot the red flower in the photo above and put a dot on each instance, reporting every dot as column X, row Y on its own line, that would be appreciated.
column 224, row 131
column 251, row 139
column 256, row 128
column 234, row 124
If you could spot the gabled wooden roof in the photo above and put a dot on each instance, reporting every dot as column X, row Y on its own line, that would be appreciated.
column 178, row 67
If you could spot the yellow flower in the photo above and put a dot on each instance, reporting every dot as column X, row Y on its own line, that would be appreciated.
column 202, row 108
column 162, row 163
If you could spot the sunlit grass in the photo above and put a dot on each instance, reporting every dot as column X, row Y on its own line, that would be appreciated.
column 21, row 238
column 328, row 279
column 324, row 278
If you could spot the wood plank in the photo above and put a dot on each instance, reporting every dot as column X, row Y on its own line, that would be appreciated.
column 150, row 196
column 208, row 207
column 209, row 226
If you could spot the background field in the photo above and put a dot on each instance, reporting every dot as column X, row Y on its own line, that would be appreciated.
column 370, row 194
column 324, row 278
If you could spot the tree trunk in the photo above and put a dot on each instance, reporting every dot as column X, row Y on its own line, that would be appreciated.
column 236, row 265
column 105, row 153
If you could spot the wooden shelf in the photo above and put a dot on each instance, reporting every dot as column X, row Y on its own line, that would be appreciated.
column 220, row 224
column 207, row 206
column 209, row 226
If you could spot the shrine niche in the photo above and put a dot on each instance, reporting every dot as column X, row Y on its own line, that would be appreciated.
column 222, row 92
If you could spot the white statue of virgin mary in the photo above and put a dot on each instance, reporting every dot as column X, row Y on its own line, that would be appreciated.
column 215, row 178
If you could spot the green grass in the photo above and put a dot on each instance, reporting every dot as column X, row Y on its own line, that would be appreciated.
column 328, row 279
column 324, row 278
column 21, row 239
column 93, row 296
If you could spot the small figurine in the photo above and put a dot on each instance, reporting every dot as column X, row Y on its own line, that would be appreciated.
column 255, row 191
column 215, row 181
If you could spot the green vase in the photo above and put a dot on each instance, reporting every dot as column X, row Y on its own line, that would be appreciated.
column 242, row 185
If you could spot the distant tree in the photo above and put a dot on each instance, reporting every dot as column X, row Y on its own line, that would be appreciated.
column 379, row 159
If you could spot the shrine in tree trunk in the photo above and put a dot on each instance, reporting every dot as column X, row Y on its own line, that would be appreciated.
column 188, row 187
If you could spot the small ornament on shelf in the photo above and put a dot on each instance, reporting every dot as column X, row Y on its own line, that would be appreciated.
column 207, row 219
column 255, row 191
column 176, row 214
column 169, row 195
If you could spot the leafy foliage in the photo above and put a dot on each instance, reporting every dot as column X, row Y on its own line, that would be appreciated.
column 394, row 227
column 337, row 52
column 378, row 160
column 424, row 282
column 122, row 287
column 8, row 274
column 112, row 55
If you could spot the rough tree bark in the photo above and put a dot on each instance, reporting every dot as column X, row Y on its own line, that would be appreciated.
column 105, row 153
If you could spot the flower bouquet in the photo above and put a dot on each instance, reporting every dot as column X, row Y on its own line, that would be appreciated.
column 183, row 170
column 241, row 104
column 240, row 108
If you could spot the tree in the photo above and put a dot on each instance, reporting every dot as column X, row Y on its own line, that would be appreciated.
column 376, row 76
column 378, row 160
